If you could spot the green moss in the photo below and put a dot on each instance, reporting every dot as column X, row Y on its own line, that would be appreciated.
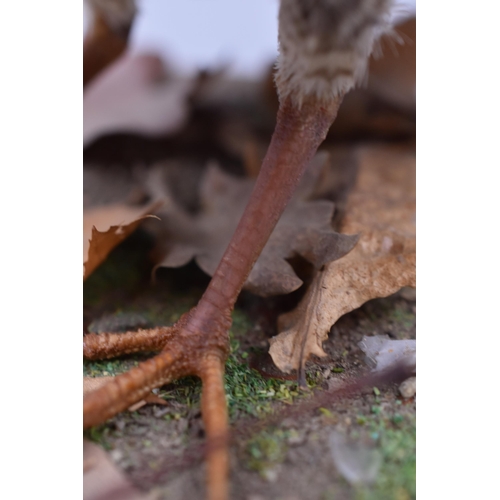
column 185, row 393
column 394, row 436
column 169, row 307
column 396, row 439
column 108, row 367
column 241, row 324
column 267, row 449
column 100, row 435
column 403, row 317
column 391, row 310
column 248, row 393
column 326, row 413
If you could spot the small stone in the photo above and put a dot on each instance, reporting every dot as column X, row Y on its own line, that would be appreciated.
column 116, row 455
column 408, row 388
column 160, row 412
column 382, row 352
column 270, row 475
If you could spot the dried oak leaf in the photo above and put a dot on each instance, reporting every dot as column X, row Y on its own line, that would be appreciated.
column 104, row 227
column 304, row 229
column 92, row 383
column 102, row 480
column 381, row 208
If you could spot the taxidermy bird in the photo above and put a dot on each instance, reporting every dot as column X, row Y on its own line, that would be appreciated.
column 324, row 46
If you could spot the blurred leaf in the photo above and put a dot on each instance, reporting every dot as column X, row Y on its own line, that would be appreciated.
column 382, row 209
column 105, row 227
column 304, row 229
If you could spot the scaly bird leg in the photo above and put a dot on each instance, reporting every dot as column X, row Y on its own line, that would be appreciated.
column 112, row 345
column 198, row 343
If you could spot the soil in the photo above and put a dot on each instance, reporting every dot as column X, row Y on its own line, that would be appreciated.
column 160, row 448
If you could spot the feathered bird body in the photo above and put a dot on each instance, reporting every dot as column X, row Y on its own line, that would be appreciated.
column 325, row 45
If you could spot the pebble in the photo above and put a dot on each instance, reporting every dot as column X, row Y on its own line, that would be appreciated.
column 159, row 412
column 270, row 475
column 116, row 455
column 408, row 388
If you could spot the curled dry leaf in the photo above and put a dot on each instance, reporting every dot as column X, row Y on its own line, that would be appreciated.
column 381, row 208
column 102, row 480
column 92, row 383
column 105, row 227
column 304, row 229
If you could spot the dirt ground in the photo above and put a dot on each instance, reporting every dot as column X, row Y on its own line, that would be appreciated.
column 159, row 448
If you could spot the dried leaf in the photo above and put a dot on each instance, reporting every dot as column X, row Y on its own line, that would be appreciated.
column 105, row 227
column 102, row 480
column 382, row 208
column 92, row 383
column 112, row 183
column 304, row 229
column 133, row 95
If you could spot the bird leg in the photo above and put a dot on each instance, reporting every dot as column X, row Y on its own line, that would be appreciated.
column 198, row 344
column 112, row 345
column 318, row 63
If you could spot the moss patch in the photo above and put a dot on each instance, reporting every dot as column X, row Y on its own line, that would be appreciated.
column 267, row 449
column 396, row 439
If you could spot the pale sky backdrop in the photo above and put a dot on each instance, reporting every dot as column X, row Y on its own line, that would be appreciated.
column 190, row 34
